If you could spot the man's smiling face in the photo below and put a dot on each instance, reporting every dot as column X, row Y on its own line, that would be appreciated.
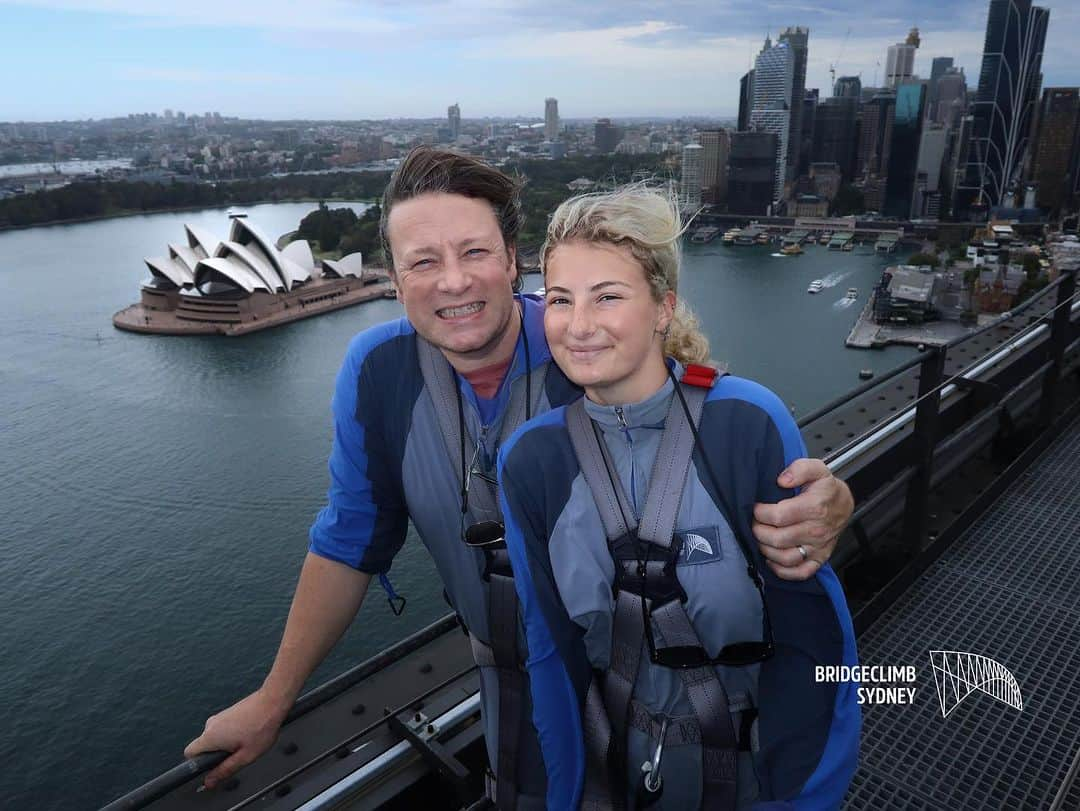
column 454, row 275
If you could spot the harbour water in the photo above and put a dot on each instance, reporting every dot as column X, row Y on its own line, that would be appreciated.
column 155, row 492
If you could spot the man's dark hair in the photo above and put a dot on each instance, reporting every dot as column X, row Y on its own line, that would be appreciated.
column 428, row 170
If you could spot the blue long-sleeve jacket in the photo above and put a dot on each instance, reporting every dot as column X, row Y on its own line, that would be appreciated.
column 805, row 741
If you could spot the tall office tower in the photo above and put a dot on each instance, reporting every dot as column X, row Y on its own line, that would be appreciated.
column 904, row 149
column 1057, row 148
column 932, row 148
column 951, row 87
column 453, row 121
column 875, row 135
column 938, row 68
column 715, row 145
column 605, row 136
column 1004, row 104
column 752, row 172
column 900, row 60
column 746, row 100
column 797, row 39
column 551, row 119
column 835, row 134
column 809, row 114
column 848, row 87
column 773, row 72
column 693, row 166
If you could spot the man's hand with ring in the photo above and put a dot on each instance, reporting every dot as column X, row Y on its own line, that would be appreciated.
column 798, row 534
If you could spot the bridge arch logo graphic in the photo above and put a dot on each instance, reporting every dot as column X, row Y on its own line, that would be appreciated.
column 957, row 675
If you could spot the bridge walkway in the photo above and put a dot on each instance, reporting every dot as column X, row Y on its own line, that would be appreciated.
column 1007, row 589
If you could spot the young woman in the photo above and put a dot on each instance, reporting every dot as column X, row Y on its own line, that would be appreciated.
column 669, row 668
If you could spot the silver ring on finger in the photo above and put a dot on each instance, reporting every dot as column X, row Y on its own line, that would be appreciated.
column 803, row 552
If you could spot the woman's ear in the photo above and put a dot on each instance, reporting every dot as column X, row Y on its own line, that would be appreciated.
column 667, row 311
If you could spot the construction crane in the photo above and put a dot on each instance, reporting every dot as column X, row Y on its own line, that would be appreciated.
column 835, row 62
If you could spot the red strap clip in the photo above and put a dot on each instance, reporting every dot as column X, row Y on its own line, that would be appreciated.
column 698, row 375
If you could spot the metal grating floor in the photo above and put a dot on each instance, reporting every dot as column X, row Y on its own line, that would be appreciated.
column 1009, row 589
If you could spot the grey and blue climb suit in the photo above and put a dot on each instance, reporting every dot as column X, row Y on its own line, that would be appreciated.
column 390, row 464
column 804, row 744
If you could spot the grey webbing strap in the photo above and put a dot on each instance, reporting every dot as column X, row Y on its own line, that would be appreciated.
column 683, row 730
column 709, row 700
column 502, row 623
column 610, row 499
column 670, row 468
column 597, row 794
column 442, row 385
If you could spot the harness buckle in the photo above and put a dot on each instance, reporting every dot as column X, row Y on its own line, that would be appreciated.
column 647, row 570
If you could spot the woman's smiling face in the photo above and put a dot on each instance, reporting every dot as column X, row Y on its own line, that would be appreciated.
column 603, row 325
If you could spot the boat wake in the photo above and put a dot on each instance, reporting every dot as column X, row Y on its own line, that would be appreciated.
column 844, row 303
column 835, row 278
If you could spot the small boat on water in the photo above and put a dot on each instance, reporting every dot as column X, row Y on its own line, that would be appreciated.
column 791, row 250
column 866, row 374
column 730, row 235
column 825, row 237
column 815, row 286
column 852, row 293
column 763, row 238
column 848, row 246
column 704, row 235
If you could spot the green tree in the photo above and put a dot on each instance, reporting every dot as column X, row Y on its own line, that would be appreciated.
column 849, row 200
column 923, row 259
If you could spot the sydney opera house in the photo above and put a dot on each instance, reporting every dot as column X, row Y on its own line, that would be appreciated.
column 244, row 283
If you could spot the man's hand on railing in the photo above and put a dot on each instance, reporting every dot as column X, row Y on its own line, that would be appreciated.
column 246, row 729
column 797, row 535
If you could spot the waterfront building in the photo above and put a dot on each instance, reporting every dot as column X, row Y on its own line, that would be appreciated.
column 453, row 121
column 606, row 136
column 797, row 39
column 551, row 119
column 900, row 60
column 908, row 294
column 207, row 285
column 810, row 205
column 826, row 179
column 835, row 133
column 746, row 100
column 715, row 145
column 1005, row 103
column 693, row 165
column 751, row 172
column 1057, row 148
column 773, row 77
column 904, row 150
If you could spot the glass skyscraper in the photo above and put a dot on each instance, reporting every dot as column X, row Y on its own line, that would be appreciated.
column 904, row 149
column 1004, row 104
column 774, row 70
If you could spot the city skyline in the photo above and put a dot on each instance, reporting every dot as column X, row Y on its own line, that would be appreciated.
column 334, row 60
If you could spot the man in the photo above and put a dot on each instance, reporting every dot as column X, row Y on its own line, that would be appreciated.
column 420, row 408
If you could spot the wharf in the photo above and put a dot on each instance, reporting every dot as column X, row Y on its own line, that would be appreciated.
column 1004, row 591
column 867, row 334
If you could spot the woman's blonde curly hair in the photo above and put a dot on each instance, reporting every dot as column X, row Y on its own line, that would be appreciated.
column 646, row 222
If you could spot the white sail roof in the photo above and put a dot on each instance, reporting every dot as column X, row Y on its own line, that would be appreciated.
column 255, row 262
column 238, row 273
column 351, row 265
column 201, row 241
column 168, row 268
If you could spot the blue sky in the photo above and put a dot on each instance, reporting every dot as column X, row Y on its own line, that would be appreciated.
column 73, row 59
